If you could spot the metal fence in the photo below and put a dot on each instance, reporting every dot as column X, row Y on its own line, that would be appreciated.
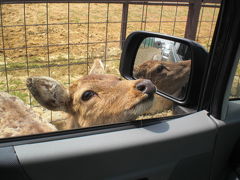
column 61, row 38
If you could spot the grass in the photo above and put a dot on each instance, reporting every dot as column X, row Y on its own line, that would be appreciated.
column 24, row 95
column 235, row 90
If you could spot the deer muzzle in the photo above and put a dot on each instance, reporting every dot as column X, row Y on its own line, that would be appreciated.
column 146, row 87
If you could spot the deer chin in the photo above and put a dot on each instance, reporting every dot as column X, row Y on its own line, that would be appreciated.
column 139, row 108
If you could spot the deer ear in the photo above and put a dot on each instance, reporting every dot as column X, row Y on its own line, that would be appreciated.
column 49, row 93
column 97, row 67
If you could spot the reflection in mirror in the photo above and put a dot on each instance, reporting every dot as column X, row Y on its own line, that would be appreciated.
column 166, row 63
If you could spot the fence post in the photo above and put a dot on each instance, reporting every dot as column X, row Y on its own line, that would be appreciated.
column 124, row 23
column 192, row 19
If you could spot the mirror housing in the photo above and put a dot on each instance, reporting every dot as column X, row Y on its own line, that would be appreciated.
column 199, row 57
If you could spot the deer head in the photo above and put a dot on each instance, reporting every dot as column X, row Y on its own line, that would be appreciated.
column 168, row 77
column 94, row 99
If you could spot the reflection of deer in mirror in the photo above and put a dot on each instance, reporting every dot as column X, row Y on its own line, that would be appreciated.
column 94, row 99
column 169, row 77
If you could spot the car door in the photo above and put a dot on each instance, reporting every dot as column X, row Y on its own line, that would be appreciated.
column 193, row 146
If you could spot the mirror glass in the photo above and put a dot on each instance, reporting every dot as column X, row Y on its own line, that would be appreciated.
column 166, row 63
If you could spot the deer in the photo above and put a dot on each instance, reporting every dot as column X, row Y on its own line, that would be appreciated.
column 169, row 77
column 18, row 119
column 92, row 100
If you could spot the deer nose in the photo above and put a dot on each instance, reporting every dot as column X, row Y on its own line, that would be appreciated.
column 146, row 86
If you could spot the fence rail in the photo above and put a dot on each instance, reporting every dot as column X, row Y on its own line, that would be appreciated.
column 105, row 1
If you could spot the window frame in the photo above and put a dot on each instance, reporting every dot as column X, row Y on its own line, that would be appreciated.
column 219, row 69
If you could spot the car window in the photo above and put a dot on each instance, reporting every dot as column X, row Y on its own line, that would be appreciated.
column 45, row 48
column 235, row 89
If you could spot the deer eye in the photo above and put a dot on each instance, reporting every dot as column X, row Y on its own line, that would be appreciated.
column 160, row 68
column 87, row 95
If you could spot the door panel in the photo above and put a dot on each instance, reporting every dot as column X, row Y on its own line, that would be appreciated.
column 171, row 149
column 226, row 141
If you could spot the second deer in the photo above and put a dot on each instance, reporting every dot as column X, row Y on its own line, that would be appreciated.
column 169, row 77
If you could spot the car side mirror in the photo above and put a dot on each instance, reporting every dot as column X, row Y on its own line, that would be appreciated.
column 175, row 65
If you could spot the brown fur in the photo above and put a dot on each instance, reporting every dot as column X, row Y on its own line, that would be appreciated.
column 168, row 77
column 18, row 119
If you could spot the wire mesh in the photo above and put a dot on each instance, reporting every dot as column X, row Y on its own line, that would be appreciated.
column 61, row 39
